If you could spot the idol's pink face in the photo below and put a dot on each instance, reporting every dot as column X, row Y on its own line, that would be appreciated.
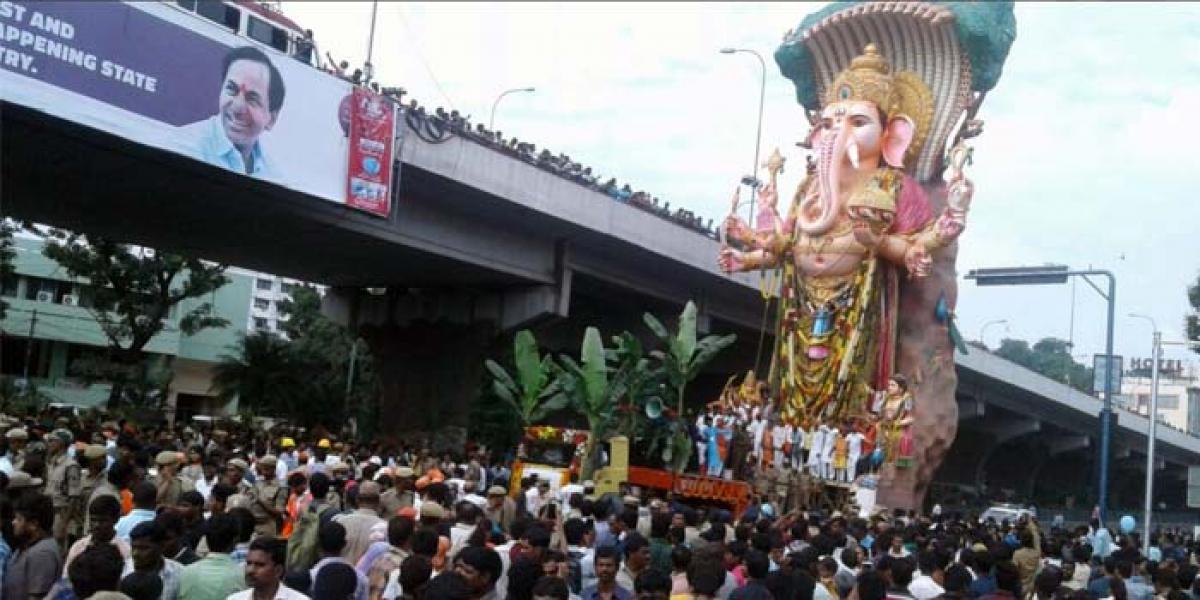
column 864, row 132
column 244, row 104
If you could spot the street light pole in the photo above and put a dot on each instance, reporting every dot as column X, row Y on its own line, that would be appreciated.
column 1058, row 274
column 492, row 120
column 368, row 68
column 1151, row 437
column 762, row 98
column 983, row 330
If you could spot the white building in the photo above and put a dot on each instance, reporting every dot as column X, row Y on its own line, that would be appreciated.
column 1178, row 392
column 268, row 293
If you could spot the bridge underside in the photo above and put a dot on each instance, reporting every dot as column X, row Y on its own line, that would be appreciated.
column 1011, row 445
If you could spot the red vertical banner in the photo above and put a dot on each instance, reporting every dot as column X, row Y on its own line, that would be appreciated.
column 369, row 168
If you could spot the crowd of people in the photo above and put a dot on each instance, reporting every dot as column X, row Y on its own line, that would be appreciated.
column 107, row 510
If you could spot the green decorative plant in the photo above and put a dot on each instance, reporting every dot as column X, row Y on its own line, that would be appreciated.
column 586, row 386
column 681, row 361
column 533, row 393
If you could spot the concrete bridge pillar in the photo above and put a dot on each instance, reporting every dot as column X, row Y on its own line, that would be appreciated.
column 428, row 348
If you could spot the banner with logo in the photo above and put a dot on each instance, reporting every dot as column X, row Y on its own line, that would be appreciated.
column 160, row 75
column 372, row 129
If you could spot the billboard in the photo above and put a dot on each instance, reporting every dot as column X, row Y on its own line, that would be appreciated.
column 161, row 76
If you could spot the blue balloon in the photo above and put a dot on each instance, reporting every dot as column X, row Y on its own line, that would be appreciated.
column 1128, row 524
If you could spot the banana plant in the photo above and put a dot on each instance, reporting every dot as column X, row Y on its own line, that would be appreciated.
column 585, row 385
column 533, row 393
column 681, row 361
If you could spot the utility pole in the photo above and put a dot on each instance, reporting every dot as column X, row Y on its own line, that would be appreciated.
column 29, row 348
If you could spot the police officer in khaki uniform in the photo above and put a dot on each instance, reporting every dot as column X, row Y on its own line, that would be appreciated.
column 64, row 485
column 95, row 479
column 268, row 498
column 168, row 480
column 17, row 438
column 235, row 475
column 400, row 495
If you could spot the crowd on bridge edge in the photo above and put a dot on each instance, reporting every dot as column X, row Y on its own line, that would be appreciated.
column 436, row 124
column 109, row 510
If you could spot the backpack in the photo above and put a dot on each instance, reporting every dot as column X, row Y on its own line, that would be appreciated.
column 302, row 546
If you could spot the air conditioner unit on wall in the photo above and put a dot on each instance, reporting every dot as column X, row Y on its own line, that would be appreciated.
column 45, row 296
column 70, row 300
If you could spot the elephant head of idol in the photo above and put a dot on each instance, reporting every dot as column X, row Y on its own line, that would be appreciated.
column 862, row 127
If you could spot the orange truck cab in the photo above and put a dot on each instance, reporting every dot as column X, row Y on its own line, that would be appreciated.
column 686, row 487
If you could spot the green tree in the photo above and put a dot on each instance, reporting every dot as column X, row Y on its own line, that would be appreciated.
column 1192, row 320
column 1050, row 357
column 261, row 372
column 324, row 351
column 133, row 292
column 531, row 394
column 682, row 360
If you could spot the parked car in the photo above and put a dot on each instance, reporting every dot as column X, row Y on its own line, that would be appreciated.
column 1007, row 512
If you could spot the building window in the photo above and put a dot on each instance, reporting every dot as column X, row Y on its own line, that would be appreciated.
column 41, row 290
column 262, row 304
column 187, row 4
column 287, row 288
column 260, row 30
column 260, row 324
column 9, row 285
column 1168, row 402
column 216, row 11
column 265, row 284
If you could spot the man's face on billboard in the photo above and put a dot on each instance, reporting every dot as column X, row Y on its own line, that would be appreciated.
column 244, row 103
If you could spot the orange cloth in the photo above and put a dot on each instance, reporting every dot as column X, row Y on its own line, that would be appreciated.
column 295, row 506
column 126, row 502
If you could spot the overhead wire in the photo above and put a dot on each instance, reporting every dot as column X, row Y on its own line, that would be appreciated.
column 421, row 56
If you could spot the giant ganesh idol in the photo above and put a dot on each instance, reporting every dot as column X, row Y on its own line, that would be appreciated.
column 865, row 250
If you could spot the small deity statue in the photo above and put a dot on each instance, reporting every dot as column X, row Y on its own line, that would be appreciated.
column 896, row 415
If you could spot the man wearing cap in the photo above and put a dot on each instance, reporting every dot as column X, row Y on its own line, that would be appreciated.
column 95, row 479
column 17, row 438
column 268, row 499
column 64, row 485
column 400, row 495
column 318, row 462
column 501, row 509
column 287, row 459
column 169, row 482
column 21, row 484
column 363, row 526
column 235, row 475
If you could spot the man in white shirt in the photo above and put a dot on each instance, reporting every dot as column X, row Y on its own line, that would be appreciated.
column 537, row 496
column 854, row 446
column 924, row 585
column 830, row 438
column 815, row 444
column 264, row 572
column 780, row 434
column 758, row 428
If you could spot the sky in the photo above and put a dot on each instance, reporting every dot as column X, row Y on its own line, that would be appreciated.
column 1087, row 156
